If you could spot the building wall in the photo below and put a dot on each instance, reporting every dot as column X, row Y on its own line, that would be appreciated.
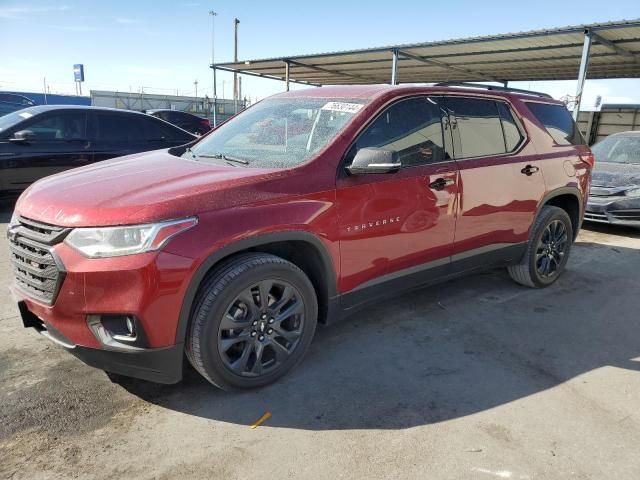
column 610, row 119
column 54, row 99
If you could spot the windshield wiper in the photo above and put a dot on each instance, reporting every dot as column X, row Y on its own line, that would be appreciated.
column 223, row 156
column 190, row 152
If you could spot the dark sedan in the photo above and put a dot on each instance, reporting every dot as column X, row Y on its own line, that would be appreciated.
column 186, row 121
column 615, row 187
column 39, row 141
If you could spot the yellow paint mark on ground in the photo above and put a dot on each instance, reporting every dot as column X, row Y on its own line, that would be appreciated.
column 261, row 420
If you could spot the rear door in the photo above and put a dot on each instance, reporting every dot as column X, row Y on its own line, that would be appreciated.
column 58, row 142
column 398, row 226
column 115, row 134
column 500, row 181
column 159, row 134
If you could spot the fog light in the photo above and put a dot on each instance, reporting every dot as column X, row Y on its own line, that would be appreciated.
column 117, row 331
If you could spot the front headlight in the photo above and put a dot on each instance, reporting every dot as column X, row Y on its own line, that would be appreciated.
column 126, row 240
column 634, row 192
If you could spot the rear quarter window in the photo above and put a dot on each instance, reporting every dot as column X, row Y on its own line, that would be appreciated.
column 558, row 122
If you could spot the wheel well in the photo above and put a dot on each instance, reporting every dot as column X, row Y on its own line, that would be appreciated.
column 570, row 204
column 306, row 257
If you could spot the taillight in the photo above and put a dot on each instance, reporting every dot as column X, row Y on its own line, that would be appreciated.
column 205, row 123
column 588, row 158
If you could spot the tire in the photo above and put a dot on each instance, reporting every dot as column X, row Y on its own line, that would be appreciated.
column 530, row 270
column 234, row 340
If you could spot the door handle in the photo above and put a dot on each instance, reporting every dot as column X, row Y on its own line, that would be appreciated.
column 441, row 183
column 529, row 170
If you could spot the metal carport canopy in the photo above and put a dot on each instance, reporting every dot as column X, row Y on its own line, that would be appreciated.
column 612, row 50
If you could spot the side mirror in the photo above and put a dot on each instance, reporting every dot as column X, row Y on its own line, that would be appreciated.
column 375, row 160
column 22, row 136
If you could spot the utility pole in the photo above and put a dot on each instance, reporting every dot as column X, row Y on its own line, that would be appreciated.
column 44, row 81
column 215, row 95
column 236, row 22
column 196, row 85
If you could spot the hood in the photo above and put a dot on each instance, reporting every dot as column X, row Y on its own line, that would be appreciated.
column 140, row 188
column 615, row 174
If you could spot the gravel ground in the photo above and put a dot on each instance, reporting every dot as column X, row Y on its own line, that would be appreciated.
column 477, row 378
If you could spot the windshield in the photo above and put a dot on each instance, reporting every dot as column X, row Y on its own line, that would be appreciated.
column 618, row 149
column 11, row 119
column 278, row 132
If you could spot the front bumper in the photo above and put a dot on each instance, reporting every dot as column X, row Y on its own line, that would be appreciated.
column 617, row 210
column 83, row 304
column 161, row 365
column 149, row 286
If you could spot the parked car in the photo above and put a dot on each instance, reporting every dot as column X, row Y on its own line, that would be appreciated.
column 186, row 121
column 10, row 102
column 232, row 250
column 47, row 139
column 615, row 192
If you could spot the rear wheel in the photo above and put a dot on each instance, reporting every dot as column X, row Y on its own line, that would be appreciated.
column 253, row 321
column 548, row 249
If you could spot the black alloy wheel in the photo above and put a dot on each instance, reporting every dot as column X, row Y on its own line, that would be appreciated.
column 547, row 251
column 261, row 328
column 252, row 321
column 551, row 249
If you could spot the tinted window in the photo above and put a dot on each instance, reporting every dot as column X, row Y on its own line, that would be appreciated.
column 479, row 126
column 17, row 99
column 179, row 117
column 411, row 127
column 512, row 135
column 118, row 128
column 558, row 122
column 159, row 131
column 11, row 119
column 60, row 126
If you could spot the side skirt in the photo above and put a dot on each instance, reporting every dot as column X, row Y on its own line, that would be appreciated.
column 423, row 275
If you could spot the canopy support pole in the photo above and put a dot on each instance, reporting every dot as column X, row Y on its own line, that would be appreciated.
column 394, row 67
column 215, row 99
column 582, row 73
column 287, row 67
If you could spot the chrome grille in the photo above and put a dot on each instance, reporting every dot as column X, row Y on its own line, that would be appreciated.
column 596, row 217
column 626, row 214
column 37, row 271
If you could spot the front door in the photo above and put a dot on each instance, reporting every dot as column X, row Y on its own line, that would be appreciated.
column 397, row 226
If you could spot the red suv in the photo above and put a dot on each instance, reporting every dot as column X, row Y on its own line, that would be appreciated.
column 230, row 250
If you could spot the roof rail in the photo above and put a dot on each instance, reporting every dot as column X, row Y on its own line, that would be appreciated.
column 492, row 87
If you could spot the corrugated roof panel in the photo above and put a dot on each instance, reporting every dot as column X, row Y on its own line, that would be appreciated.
column 536, row 55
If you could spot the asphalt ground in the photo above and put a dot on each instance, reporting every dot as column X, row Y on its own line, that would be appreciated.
column 477, row 378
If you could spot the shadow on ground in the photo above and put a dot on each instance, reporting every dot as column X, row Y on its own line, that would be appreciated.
column 618, row 230
column 443, row 352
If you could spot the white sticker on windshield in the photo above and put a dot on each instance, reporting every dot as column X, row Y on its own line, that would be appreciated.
column 26, row 115
column 342, row 107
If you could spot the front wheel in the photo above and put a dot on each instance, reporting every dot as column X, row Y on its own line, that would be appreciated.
column 253, row 321
column 547, row 251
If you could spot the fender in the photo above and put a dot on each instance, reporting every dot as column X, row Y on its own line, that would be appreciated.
column 244, row 244
column 567, row 190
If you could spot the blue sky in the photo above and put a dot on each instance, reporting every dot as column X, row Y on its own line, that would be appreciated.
column 165, row 46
